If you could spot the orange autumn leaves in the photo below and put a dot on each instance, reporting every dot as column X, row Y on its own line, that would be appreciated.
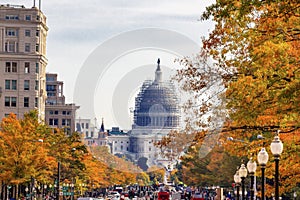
column 22, row 155
column 30, row 149
column 254, row 48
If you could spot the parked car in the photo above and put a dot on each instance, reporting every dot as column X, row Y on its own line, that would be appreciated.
column 86, row 198
column 197, row 196
column 114, row 195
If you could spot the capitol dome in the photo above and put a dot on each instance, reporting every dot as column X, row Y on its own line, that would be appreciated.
column 157, row 105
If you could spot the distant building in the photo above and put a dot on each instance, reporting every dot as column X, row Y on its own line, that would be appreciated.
column 58, row 113
column 88, row 130
column 156, row 113
column 23, row 33
column 118, row 141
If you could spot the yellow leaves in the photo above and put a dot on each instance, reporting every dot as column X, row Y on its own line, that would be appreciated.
column 21, row 154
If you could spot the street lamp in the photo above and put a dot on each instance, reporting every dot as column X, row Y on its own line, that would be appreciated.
column 26, row 191
column 237, row 180
column 262, row 159
column 276, row 149
column 72, row 190
column 251, row 166
column 243, row 174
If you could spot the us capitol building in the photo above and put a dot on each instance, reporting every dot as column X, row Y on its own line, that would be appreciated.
column 156, row 113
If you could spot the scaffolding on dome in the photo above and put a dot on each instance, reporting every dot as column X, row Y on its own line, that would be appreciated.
column 157, row 105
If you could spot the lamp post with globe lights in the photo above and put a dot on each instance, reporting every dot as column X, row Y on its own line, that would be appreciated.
column 251, row 166
column 262, row 159
column 237, row 180
column 243, row 174
column 276, row 149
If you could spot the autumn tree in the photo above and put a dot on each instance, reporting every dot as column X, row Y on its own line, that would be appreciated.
column 69, row 151
column 117, row 170
column 216, row 168
column 143, row 179
column 252, row 56
column 23, row 155
column 156, row 174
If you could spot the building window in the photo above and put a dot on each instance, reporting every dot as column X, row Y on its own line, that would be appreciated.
column 50, row 102
column 11, row 84
column 7, row 101
column 37, row 47
column 14, row 84
column 28, row 17
column 53, row 122
column 68, row 121
column 36, row 102
column 92, row 134
column 37, row 70
column 37, row 33
column 26, row 102
column 36, row 87
column 27, row 68
column 7, row 84
column 51, row 112
column 51, row 88
column 11, row 32
column 10, row 67
column 11, row 46
column 64, row 112
column 14, row 67
column 27, row 47
column 13, row 102
column 86, row 134
column 26, row 84
column 50, row 78
column 56, row 112
column 7, row 67
column 116, row 148
column 121, row 147
column 12, row 17
column 27, row 33
column 86, row 125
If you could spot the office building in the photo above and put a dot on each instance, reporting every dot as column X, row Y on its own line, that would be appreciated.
column 23, row 61
column 58, row 113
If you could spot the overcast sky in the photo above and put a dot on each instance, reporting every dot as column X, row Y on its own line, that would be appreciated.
column 78, row 27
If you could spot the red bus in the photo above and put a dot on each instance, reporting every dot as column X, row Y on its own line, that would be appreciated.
column 163, row 196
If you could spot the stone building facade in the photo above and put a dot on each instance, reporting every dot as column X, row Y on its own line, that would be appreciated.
column 58, row 114
column 23, row 33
